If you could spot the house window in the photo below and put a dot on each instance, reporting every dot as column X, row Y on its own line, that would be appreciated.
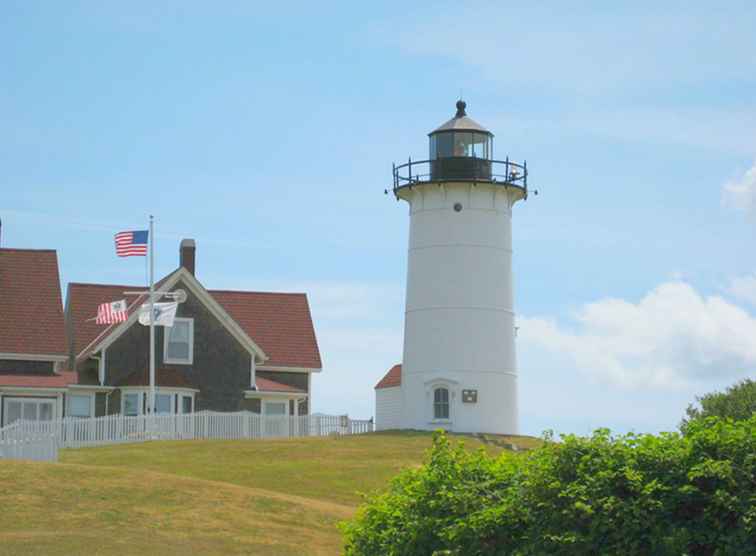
column 276, row 408
column 441, row 403
column 179, row 342
column 186, row 404
column 79, row 406
column 29, row 409
column 163, row 403
column 131, row 404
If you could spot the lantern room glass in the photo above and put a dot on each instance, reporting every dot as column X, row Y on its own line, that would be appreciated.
column 460, row 144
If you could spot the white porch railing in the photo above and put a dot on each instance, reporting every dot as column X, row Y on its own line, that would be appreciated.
column 42, row 439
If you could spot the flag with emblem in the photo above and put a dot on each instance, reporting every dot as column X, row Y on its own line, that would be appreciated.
column 110, row 313
column 163, row 314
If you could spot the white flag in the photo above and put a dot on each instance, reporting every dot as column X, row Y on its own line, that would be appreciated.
column 163, row 314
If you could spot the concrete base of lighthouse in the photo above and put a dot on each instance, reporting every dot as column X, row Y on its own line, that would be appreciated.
column 459, row 369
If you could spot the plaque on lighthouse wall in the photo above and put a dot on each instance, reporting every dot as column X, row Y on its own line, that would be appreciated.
column 469, row 396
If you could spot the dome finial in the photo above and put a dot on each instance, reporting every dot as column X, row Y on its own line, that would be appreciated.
column 461, row 105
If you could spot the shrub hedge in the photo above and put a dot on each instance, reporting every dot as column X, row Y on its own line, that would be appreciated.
column 633, row 494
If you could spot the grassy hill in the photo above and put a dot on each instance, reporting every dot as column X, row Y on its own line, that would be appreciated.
column 209, row 497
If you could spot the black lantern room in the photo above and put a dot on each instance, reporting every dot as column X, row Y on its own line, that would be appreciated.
column 461, row 150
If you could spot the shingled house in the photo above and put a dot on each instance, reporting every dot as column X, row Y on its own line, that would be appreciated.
column 227, row 350
column 33, row 380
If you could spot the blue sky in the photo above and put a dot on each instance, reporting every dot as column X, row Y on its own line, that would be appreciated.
column 267, row 132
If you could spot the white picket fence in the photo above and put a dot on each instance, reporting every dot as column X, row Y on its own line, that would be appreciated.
column 14, row 444
column 41, row 440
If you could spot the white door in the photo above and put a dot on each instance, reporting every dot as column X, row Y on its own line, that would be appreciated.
column 28, row 409
column 275, row 422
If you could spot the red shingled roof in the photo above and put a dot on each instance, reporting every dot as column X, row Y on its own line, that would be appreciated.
column 267, row 385
column 280, row 323
column 31, row 311
column 392, row 378
column 31, row 381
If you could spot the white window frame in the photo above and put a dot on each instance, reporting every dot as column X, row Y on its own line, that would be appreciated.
column 171, row 403
column 278, row 402
column 91, row 405
column 143, row 393
column 140, row 403
column 166, row 334
column 182, row 396
column 430, row 391
column 27, row 399
column 438, row 388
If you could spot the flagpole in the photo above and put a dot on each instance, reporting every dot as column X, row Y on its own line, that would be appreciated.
column 151, row 402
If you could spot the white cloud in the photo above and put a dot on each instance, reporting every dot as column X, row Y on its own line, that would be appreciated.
column 740, row 194
column 581, row 50
column 671, row 338
column 744, row 288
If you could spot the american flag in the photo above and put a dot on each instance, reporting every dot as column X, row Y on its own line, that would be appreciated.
column 109, row 313
column 131, row 244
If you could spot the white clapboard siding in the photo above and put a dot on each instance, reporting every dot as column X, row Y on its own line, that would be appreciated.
column 388, row 408
column 36, row 439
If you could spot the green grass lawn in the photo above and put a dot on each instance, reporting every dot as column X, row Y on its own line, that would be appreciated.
column 201, row 497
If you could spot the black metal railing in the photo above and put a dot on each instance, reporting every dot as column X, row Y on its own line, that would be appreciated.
column 499, row 172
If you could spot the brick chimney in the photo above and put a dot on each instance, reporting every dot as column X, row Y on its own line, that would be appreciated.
column 186, row 254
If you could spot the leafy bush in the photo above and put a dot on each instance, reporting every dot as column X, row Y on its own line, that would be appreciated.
column 633, row 494
column 737, row 402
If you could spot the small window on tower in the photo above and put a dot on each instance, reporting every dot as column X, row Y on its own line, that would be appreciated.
column 441, row 403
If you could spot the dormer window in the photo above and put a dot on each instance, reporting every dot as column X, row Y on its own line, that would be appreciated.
column 179, row 342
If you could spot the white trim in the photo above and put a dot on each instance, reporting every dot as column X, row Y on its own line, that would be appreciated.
column 202, row 294
column 29, row 390
column 90, row 388
column 101, row 366
column 166, row 334
column 288, row 369
column 33, row 357
column 82, row 395
column 251, row 394
column 253, row 373
column 143, row 389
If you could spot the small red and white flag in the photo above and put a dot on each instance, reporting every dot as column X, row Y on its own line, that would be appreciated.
column 110, row 313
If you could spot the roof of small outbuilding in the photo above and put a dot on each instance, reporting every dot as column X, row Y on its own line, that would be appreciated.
column 392, row 378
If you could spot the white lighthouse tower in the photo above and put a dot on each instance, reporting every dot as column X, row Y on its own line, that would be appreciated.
column 459, row 370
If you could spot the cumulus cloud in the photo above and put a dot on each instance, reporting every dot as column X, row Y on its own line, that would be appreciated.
column 744, row 288
column 740, row 194
column 670, row 338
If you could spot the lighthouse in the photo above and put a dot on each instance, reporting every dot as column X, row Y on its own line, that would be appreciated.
column 459, row 370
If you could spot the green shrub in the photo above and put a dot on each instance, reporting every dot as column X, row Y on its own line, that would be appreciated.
column 633, row 494
column 737, row 402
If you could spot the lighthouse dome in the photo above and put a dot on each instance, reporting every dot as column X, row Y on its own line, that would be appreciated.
column 461, row 148
column 461, row 122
